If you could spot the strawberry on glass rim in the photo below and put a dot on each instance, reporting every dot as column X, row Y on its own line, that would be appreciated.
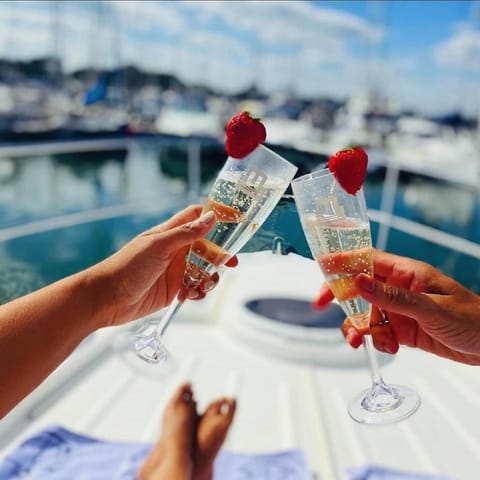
column 349, row 166
column 244, row 134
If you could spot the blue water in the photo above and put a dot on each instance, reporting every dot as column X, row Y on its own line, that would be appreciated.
column 49, row 187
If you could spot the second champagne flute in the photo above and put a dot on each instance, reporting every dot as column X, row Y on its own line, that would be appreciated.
column 244, row 194
column 337, row 229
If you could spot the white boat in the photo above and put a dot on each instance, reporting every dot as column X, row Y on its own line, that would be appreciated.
column 406, row 142
column 425, row 147
column 293, row 384
column 190, row 116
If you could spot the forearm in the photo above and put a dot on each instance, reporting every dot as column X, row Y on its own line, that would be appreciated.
column 39, row 331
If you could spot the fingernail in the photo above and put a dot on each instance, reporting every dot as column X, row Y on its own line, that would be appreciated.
column 392, row 350
column 205, row 219
column 192, row 294
column 365, row 283
column 353, row 338
column 208, row 285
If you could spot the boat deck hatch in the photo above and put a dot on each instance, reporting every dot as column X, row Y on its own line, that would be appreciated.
column 297, row 312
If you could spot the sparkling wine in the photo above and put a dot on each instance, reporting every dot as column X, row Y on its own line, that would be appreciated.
column 344, row 249
column 241, row 202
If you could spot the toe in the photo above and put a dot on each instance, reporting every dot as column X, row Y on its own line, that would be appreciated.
column 228, row 409
column 184, row 392
column 222, row 408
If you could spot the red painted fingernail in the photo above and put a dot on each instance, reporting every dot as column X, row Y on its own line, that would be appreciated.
column 208, row 285
column 193, row 294
column 353, row 338
column 391, row 349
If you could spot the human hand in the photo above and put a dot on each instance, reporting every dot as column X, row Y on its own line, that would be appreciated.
column 147, row 273
column 418, row 306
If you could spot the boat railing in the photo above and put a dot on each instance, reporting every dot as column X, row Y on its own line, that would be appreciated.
column 387, row 221
column 384, row 216
column 26, row 149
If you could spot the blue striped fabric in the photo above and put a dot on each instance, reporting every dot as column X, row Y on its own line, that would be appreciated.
column 59, row 454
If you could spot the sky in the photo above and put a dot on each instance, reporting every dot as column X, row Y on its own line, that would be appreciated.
column 421, row 55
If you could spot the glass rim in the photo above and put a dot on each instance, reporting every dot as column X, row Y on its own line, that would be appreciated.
column 313, row 175
column 318, row 175
column 271, row 153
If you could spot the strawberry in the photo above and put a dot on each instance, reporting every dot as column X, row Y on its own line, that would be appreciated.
column 349, row 166
column 243, row 135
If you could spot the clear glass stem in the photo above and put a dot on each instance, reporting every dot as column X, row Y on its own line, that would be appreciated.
column 381, row 403
column 148, row 344
column 381, row 396
column 167, row 317
column 372, row 360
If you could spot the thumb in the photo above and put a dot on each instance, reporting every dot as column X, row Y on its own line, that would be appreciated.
column 185, row 234
column 394, row 299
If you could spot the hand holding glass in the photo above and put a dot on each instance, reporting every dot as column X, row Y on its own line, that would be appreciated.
column 243, row 196
column 337, row 229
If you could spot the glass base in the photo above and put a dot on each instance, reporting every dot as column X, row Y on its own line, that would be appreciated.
column 150, row 349
column 147, row 361
column 383, row 404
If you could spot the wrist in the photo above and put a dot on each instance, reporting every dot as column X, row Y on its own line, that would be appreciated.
column 93, row 284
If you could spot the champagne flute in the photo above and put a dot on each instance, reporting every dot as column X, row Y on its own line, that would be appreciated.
column 244, row 194
column 337, row 229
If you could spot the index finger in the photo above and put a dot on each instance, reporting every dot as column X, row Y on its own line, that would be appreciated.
column 186, row 215
column 324, row 297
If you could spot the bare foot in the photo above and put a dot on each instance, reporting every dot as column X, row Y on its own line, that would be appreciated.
column 172, row 456
column 211, row 433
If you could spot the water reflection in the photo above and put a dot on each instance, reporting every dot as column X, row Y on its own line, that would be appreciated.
column 39, row 187
column 446, row 207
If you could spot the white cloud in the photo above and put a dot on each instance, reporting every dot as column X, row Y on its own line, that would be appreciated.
column 23, row 31
column 147, row 16
column 462, row 50
column 286, row 22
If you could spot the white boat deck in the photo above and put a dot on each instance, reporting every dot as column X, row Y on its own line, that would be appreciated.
column 292, row 387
